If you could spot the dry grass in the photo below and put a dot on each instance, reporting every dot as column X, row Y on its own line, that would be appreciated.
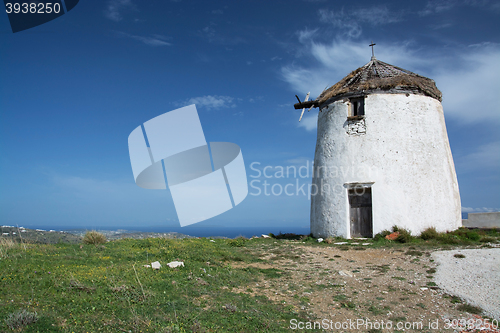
column 5, row 244
column 21, row 318
column 94, row 237
column 356, row 82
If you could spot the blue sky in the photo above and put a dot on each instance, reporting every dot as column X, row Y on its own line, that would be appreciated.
column 73, row 89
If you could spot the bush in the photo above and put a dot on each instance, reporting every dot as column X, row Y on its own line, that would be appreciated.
column 381, row 235
column 404, row 235
column 429, row 233
column 470, row 309
column 94, row 237
column 20, row 319
column 237, row 242
column 449, row 238
column 473, row 236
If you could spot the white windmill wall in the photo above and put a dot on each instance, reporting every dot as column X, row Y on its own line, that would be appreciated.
column 401, row 147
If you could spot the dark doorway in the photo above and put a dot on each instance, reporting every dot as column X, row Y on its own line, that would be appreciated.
column 360, row 211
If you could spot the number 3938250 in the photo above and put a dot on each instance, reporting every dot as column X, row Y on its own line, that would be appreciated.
column 32, row 8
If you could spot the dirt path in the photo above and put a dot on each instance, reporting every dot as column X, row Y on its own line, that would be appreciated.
column 359, row 289
column 473, row 274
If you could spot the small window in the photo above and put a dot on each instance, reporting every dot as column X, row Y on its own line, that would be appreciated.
column 357, row 107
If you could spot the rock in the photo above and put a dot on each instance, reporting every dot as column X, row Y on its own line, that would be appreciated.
column 265, row 236
column 341, row 243
column 366, row 244
column 212, row 241
column 345, row 273
column 147, row 266
column 320, row 240
column 156, row 265
column 175, row 264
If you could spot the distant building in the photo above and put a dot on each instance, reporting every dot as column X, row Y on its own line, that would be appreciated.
column 382, row 156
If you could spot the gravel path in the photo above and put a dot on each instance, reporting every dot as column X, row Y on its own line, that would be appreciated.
column 475, row 278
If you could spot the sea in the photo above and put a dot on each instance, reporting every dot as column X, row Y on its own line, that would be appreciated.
column 195, row 231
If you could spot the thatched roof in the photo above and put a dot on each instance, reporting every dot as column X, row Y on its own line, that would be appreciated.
column 377, row 76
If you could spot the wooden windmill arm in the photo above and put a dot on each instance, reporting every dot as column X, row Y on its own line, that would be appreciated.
column 306, row 105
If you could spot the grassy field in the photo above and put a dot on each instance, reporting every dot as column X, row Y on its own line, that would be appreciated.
column 93, row 288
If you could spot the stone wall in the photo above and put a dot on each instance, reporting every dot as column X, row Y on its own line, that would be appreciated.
column 482, row 220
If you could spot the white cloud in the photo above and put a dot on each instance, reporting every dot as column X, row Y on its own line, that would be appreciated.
column 479, row 210
column 440, row 6
column 349, row 23
column 306, row 35
column 335, row 60
column 468, row 78
column 115, row 8
column 340, row 20
column 485, row 157
column 213, row 36
column 153, row 40
column 309, row 122
column 470, row 88
column 210, row 102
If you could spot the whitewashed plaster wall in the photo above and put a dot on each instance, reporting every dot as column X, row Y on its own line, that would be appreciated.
column 401, row 147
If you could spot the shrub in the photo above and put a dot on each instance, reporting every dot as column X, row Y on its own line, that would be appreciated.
column 472, row 235
column 404, row 235
column 469, row 308
column 449, row 238
column 94, row 237
column 381, row 235
column 429, row 233
column 20, row 319
column 237, row 242
column 487, row 239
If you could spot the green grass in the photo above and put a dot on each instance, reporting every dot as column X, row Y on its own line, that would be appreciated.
column 106, row 288
column 469, row 308
column 431, row 238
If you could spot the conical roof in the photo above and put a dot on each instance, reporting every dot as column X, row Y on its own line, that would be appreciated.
column 378, row 76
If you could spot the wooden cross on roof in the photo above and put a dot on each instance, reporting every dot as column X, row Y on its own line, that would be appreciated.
column 372, row 45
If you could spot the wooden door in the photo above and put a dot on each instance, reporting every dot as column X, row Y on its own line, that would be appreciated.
column 360, row 202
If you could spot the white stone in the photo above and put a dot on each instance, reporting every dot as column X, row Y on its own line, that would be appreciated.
column 320, row 240
column 147, row 266
column 174, row 264
column 155, row 265
column 404, row 155
column 341, row 243
column 265, row 236
column 345, row 273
